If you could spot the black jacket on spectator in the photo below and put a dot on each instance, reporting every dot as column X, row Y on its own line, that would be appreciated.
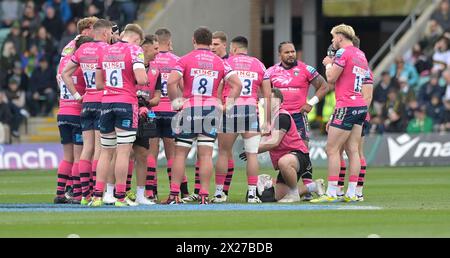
column 380, row 93
column 5, row 113
column 54, row 26
column 41, row 80
column 436, row 113
column 426, row 92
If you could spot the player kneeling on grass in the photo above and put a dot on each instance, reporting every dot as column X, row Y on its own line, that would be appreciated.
column 289, row 155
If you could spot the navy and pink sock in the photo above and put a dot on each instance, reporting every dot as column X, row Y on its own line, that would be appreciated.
column 64, row 171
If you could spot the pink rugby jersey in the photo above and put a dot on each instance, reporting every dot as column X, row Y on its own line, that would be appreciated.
column 165, row 62
column 68, row 49
column 291, row 141
column 67, row 103
column 251, row 73
column 117, row 64
column 148, row 91
column 356, row 72
column 87, row 57
column 202, row 72
column 293, row 83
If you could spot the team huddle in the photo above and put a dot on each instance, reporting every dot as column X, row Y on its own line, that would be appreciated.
column 121, row 93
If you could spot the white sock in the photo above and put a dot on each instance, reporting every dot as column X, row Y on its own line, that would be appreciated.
column 140, row 192
column 252, row 190
column 359, row 190
column 109, row 189
column 332, row 188
column 294, row 191
column 312, row 188
column 351, row 190
column 219, row 190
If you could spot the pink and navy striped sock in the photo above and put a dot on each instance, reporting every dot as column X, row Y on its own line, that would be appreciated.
column 93, row 174
column 197, row 178
column 130, row 175
column 121, row 192
column 150, row 178
column 76, row 182
column 99, row 189
column 362, row 173
column 342, row 174
column 64, row 170
column 229, row 177
column 174, row 189
column 85, row 167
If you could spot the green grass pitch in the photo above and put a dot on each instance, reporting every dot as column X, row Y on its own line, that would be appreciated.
column 414, row 202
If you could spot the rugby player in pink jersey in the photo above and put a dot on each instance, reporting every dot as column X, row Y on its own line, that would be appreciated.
column 293, row 78
column 242, row 119
column 165, row 61
column 148, row 98
column 69, row 124
column 84, row 28
column 289, row 155
column 86, row 58
column 218, row 47
column 202, row 72
column 120, row 68
column 347, row 71
column 367, row 92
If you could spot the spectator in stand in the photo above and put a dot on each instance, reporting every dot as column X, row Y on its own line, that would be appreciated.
column 406, row 93
column 441, row 56
column 53, row 23
column 433, row 32
column 30, row 20
column 45, row 43
column 10, row 11
column 8, row 56
column 5, row 119
column 413, row 105
column 42, row 95
column 62, row 9
column 421, row 62
column 128, row 10
column 393, row 113
column 435, row 111
column 94, row 11
column 402, row 69
column 16, row 101
column 20, row 76
column 442, row 15
column 381, row 91
column 446, row 117
column 30, row 59
column 421, row 122
column 428, row 90
column 77, row 7
column 15, row 37
column 69, row 34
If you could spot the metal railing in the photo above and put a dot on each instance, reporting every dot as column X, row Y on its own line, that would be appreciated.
column 407, row 23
